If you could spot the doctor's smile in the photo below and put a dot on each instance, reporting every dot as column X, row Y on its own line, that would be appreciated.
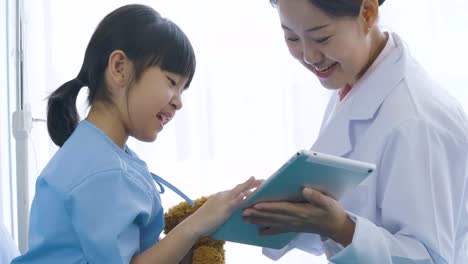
column 325, row 72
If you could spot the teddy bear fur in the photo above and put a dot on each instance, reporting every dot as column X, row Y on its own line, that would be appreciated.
column 206, row 250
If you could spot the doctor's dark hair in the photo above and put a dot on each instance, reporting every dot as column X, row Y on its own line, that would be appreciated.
column 145, row 37
column 336, row 8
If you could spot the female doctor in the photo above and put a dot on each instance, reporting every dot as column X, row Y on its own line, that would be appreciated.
column 385, row 110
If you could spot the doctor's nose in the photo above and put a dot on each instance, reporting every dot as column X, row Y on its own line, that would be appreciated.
column 311, row 55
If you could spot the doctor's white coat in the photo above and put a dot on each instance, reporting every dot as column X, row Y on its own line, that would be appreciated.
column 414, row 208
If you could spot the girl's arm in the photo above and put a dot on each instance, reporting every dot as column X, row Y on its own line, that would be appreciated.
column 172, row 248
column 175, row 245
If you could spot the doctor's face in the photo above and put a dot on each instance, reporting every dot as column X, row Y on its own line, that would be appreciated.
column 334, row 49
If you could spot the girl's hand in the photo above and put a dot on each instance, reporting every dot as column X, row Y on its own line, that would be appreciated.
column 176, row 246
column 320, row 214
column 219, row 207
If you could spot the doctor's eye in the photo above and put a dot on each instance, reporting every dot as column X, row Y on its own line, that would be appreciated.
column 323, row 40
column 292, row 39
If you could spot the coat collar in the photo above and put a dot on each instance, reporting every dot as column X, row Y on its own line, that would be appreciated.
column 374, row 89
column 335, row 136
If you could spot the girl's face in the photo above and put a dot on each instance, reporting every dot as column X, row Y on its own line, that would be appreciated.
column 152, row 102
column 336, row 50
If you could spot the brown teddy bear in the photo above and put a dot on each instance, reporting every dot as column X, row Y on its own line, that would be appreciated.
column 206, row 250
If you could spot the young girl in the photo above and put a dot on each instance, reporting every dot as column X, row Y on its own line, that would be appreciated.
column 385, row 110
column 96, row 201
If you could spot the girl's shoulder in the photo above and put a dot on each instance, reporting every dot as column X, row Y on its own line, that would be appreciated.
column 88, row 155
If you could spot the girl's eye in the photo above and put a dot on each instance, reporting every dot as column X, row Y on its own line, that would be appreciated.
column 171, row 81
column 323, row 40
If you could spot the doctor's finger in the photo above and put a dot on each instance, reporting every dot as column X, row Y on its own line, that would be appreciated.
column 267, row 218
column 265, row 221
column 288, row 208
column 268, row 231
column 317, row 198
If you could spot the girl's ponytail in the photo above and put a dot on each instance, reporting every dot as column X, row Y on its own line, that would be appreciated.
column 62, row 115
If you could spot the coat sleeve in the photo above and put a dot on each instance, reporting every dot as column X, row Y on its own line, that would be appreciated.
column 421, row 189
column 310, row 243
column 421, row 199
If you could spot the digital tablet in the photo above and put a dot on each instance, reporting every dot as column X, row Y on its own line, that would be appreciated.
column 331, row 174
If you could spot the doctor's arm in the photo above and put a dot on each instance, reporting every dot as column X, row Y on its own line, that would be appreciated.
column 420, row 192
column 419, row 201
column 422, row 178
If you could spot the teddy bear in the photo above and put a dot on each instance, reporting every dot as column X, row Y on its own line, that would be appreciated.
column 206, row 250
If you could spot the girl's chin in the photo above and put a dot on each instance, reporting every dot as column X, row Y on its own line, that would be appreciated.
column 148, row 138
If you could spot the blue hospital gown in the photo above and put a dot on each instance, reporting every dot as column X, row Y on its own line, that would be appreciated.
column 94, row 203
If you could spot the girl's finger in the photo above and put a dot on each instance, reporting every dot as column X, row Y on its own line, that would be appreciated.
column 243, row 186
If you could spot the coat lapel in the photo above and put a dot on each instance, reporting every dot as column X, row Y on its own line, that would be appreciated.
column 335, row 137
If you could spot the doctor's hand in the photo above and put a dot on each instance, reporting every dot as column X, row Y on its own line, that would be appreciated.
column 320, row 214
column 219, row 207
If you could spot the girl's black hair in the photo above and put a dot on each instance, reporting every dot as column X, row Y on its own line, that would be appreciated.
column 337, row 8
column 146, row 38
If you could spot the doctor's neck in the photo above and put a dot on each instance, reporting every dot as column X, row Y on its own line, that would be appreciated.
column 378, row 40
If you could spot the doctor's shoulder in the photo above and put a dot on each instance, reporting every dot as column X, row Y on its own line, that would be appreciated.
column 434, row 103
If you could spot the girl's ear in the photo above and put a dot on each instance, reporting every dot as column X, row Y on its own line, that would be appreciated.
column 369, row 14
column 119, row 70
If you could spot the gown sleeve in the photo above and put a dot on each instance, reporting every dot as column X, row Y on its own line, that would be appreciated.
column 106, row 212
